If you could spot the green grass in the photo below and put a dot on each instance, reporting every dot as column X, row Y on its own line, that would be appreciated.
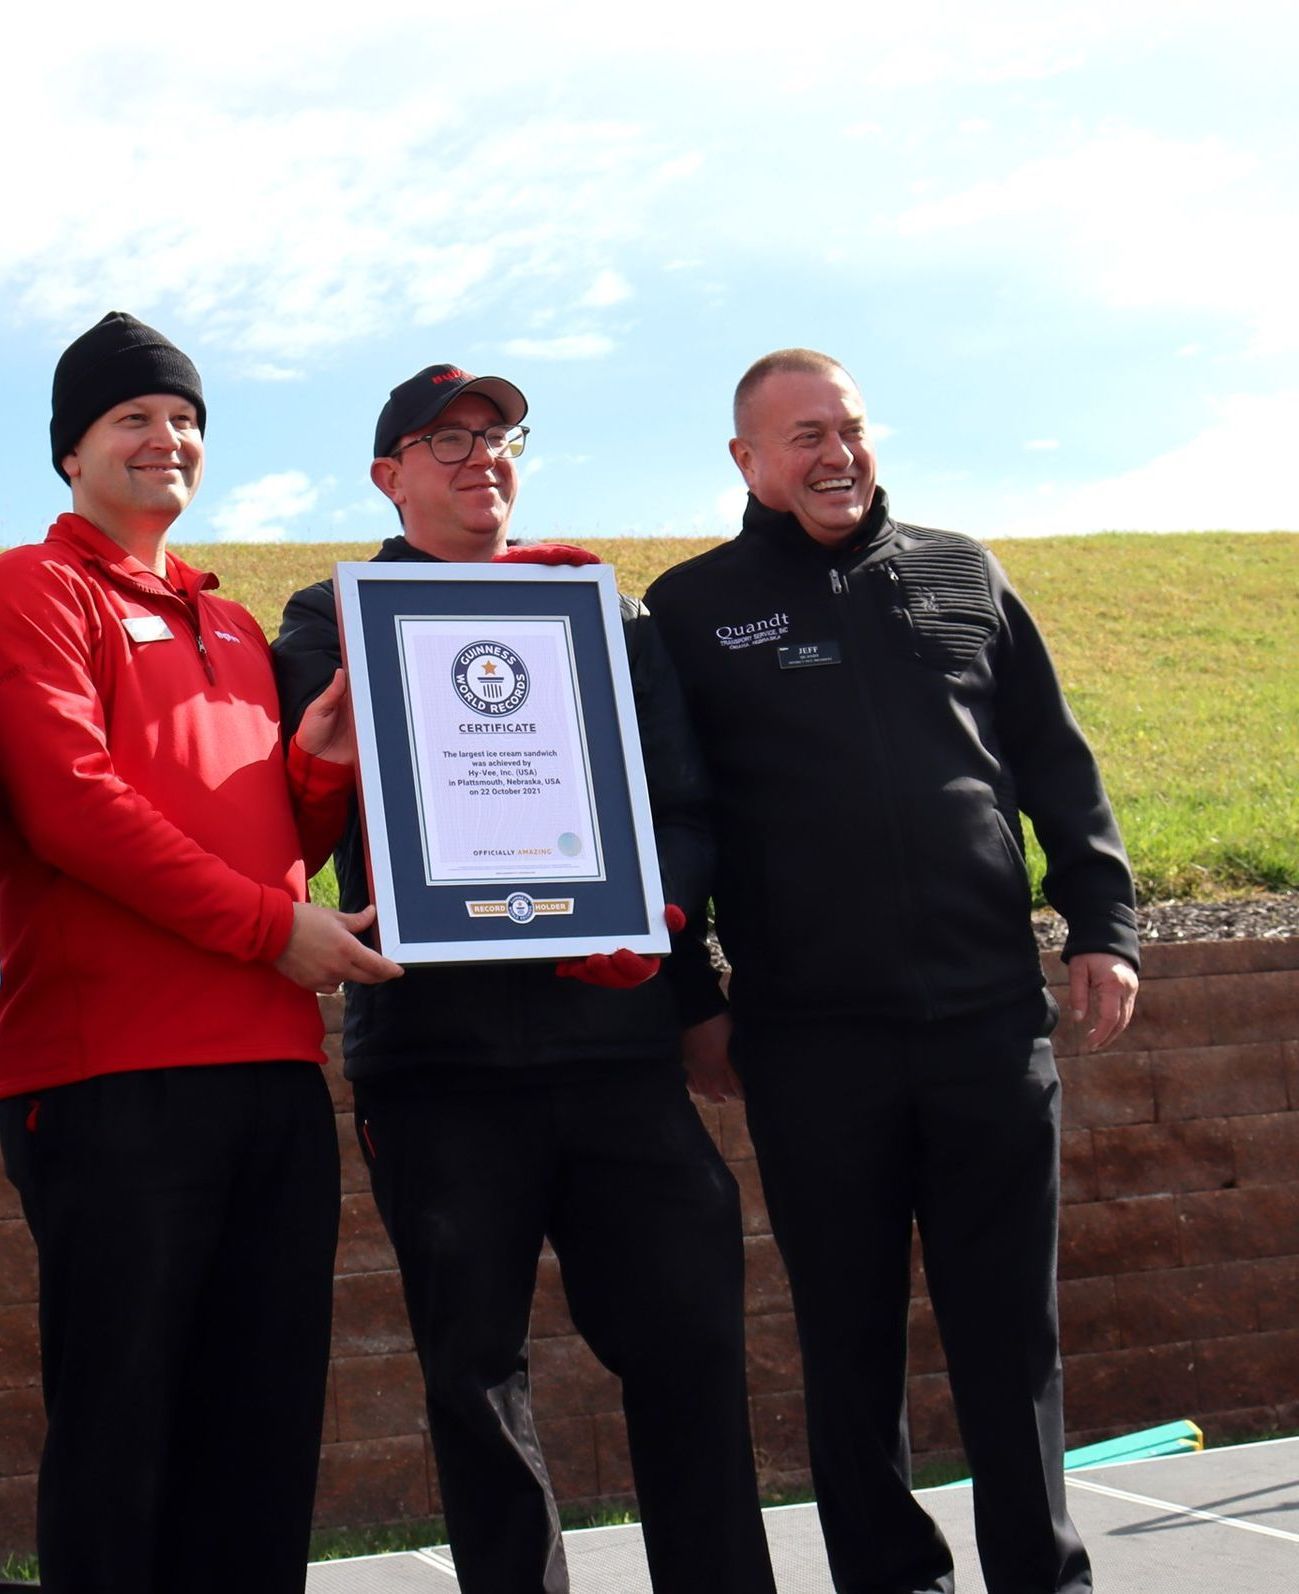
column 1178, row 654
column 341, row 1544
column 337, row 1544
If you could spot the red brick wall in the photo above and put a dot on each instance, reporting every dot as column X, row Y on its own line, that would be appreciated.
column 1179, row 1269
column 1179, row 1237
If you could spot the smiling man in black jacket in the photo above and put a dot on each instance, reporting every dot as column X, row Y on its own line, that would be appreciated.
column 877, row 708
column 499, row 1105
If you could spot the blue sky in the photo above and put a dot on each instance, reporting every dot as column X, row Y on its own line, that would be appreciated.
column 1056, row 245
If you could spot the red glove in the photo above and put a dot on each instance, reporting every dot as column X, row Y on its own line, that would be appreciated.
column 616, row 971
column 620, row 970
column 547, row 553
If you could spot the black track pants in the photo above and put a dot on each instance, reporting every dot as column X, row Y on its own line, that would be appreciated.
column 857, row 1129
column 644, row 1218
column 185, row 1222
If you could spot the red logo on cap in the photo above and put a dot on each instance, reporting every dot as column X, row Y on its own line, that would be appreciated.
column 451, row 376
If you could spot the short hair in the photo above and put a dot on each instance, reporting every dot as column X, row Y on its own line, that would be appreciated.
column 810, row 361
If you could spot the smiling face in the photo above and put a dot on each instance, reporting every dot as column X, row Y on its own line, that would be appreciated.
column 457, row 512
column 137, row 467
column 805, row 449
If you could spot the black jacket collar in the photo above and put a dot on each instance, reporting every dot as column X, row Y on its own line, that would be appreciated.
column 398, row 548
column 782, row 530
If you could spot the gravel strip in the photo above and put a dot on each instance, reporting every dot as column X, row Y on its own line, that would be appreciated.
column 1261, row 918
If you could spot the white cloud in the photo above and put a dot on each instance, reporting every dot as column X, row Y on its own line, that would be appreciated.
column 258, row 511
column 679, row 168
column 1042, row 445
column 609, row 287
column 577, row 346
column 286, row 230
column 1235, row 475
column 265, row 371
column 335, row 184
column 729, row 506
column 880, row 430
column 1140, row 221
column 315, row 191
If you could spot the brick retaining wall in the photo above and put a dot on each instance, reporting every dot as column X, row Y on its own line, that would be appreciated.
column 1179, row 1269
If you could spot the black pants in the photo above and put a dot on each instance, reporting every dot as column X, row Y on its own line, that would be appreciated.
column 857, row 1128
column 185, row 1221
column 644, row 1218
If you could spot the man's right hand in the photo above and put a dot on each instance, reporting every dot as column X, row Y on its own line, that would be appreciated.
column 323, row 950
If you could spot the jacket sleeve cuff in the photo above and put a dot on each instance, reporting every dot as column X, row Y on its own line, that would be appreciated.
column 1115, row 932
column 277, row 921
column 321, row 792
column 317, row 778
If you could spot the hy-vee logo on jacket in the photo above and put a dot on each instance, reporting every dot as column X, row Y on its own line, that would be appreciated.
column 753, row 631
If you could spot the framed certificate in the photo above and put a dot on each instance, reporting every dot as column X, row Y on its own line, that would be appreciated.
column 502, row 789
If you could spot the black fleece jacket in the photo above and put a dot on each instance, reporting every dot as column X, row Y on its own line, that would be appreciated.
column 875, row 719
column 469, row 1022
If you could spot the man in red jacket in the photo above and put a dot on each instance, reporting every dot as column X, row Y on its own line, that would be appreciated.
column 164, row 1117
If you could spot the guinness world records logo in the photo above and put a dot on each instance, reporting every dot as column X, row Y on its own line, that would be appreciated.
column 490, row 679
column 520, row 907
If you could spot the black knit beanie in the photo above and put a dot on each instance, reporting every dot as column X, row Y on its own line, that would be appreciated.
column 119, row 358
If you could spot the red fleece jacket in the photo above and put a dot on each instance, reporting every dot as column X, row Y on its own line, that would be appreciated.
column 149, row 846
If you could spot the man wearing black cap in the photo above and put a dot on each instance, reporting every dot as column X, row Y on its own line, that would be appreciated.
column 163, row 1115
column 498, row 1106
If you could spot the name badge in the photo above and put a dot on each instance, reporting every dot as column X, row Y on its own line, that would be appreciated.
column 147, row 628
column 802, row 655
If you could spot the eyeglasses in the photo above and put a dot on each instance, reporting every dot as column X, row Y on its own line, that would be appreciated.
column 452, row 444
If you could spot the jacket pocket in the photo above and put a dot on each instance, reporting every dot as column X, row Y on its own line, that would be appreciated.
column 940, row 608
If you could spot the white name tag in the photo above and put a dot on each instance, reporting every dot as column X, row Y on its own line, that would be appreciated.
column 147, row 628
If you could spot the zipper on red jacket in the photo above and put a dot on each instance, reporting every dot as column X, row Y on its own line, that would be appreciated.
column 196, row 626
column 204, row 656
column 192, row 620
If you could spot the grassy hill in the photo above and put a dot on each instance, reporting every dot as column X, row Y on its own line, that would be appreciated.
column 1178, row 653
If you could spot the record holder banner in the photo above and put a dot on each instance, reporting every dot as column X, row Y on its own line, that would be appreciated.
column 502, row 790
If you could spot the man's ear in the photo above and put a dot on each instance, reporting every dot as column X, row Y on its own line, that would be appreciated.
column 386, row 477
column 71, row 465
column 742, row 454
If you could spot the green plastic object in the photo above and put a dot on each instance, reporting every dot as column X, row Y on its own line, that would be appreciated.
column 1169, row 1439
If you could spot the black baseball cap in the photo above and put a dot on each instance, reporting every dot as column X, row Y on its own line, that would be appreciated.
column 423, row 398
